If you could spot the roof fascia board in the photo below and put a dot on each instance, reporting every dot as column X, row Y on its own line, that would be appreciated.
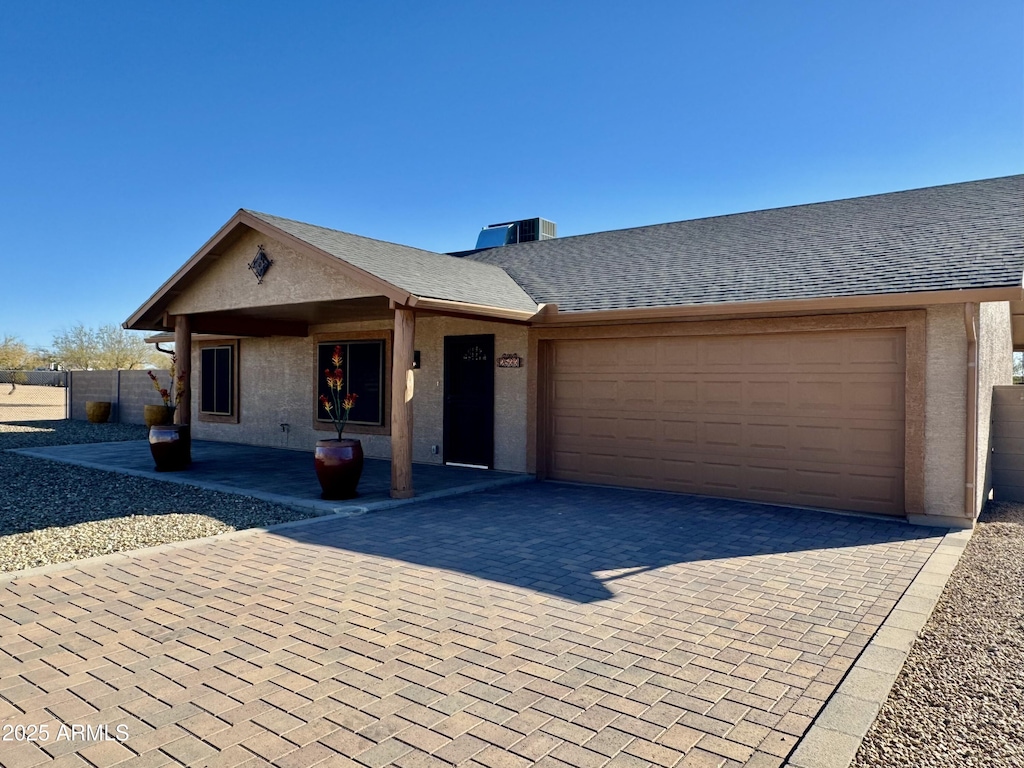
column 392, row 292
column 445, row 306
column 183, row 271
column 736, row 309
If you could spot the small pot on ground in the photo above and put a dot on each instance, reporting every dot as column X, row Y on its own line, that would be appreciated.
column 155, row 415
column 171, row 446
column 97, row 411
column 339, row 465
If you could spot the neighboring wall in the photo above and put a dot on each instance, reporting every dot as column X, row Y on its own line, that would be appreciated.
column 277, row 378
column 995, row 368
column 127, row 391
column 945, row 410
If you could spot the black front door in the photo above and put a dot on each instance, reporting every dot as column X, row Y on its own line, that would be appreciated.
column 469, row 400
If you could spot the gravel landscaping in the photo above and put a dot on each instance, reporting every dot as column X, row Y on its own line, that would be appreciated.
column 958, row 700
column 52, row 512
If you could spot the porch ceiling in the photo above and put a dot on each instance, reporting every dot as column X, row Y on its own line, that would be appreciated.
column 290, row 319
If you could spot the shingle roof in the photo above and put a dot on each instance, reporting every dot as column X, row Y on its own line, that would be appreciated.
column 423, row 273
column 957, row 236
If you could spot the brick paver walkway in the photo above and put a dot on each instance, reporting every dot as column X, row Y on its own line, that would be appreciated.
column 543, row 625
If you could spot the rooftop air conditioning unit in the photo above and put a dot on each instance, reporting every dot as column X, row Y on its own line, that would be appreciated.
column 522, row 231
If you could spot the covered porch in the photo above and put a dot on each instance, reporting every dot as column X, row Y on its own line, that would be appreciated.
column 273, row 292
column 276, row 475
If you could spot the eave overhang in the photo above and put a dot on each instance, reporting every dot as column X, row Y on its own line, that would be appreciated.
column 151, row 315
column 824, row 305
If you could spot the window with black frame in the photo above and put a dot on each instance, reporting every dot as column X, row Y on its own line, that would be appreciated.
column 217, row 380
column 362, row 363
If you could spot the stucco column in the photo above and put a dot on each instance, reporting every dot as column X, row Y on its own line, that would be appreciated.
column 183, row 354
column 401, row 404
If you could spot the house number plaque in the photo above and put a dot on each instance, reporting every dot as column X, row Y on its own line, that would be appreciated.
column 510, row 360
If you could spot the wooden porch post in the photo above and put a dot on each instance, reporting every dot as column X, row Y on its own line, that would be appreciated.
column 401, row 404
column 183, row 354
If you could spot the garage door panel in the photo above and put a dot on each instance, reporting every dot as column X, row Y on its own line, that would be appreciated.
column 721, row 393
column 566, row 426
column 768, row 480
column 639, row 394
column 874, row 396
column 768, row 437
column 635, row 429
column 675, row 432
column 875, row 444
column 818, row 395
column 768, row 396
column 722, row 476
column 817, row 353
column 566, row 462
column 875, row 493
column 818, row 489
column 600, row 393
column 772, row 354
column 678, row 394
column 719, row 435
column 725, row 352
column 823, row 442
column 882, row 351
column 597, row 427
column 676, row 354
column 814, row 419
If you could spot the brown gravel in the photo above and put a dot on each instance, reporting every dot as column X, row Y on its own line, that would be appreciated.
column 959, row 700
column 52, row 512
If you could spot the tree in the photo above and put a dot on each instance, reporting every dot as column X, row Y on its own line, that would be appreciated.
column 76, row 348
column 14, row 354
column 121, row 349
column 108, row 347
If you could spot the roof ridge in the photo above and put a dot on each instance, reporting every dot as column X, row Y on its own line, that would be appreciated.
column 264, row 216
column 765, row 210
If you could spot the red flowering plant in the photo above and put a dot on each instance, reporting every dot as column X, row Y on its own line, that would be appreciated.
column 338, row 405
column 177, row 379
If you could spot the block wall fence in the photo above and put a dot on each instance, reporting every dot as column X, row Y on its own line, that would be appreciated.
column 127, row 392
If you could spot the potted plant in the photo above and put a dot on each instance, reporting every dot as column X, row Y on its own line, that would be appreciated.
column 170, row 444
column 97, row 411
column 339, row 462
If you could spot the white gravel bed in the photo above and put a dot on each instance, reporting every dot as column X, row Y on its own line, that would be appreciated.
column 959, row 700
column 52, row 512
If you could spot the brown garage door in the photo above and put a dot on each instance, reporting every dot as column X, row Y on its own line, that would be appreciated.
column 813, row 419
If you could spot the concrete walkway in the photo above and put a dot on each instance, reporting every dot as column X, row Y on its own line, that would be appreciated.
column 274, row 474
column 538, row 624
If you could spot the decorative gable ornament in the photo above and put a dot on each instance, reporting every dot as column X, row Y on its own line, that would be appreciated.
column 260, row 264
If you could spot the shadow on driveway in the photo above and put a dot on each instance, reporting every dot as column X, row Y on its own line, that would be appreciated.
column 573, row 541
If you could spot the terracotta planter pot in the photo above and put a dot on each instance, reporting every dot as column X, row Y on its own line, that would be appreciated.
column 155, row 415
column 97, row 411
column 171, row 446
column 339, row 465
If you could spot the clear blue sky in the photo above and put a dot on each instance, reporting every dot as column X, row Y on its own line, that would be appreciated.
column 131, row 131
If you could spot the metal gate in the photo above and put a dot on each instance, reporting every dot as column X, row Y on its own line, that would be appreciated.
column 33, row 395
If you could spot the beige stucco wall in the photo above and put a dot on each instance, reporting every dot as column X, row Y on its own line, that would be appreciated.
column 509, row 389
column 945, row 410
column 995, row 368
column 277, row 386
column 227, row 283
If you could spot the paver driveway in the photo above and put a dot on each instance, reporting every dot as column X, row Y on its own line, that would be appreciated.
column 540, row 624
